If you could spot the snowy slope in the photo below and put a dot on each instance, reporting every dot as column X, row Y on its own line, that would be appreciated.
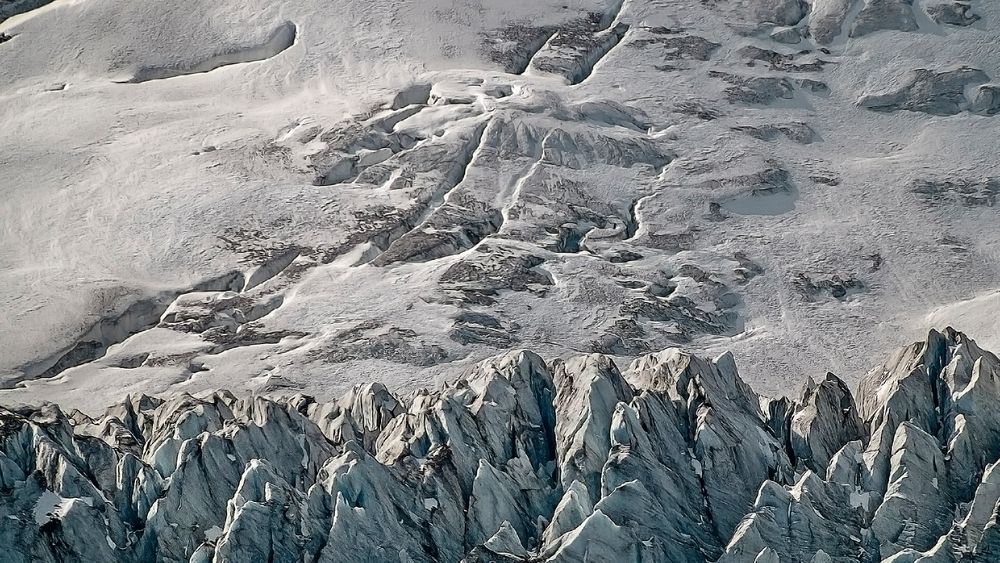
column 306, row 195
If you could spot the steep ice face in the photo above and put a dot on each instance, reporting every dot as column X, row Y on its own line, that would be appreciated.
column 522, row 459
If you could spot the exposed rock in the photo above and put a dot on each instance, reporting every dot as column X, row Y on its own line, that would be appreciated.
column 779, row 12
column 574, row 49
column 827, row 19
column 481, row 328
column 581, row 151
column 987, row 100
column 697, row 109
column 756, row 90
column 877, row 15
column 965, row 191
column 825, row 179
column 489, row 270
column 797, row 131
column 779, row 61
column 813, row 286
column 624, row 338
column 10, row 8
column 372, row 340
column 764, row 90
column 678, row 47
column 787, row 35
column 513, row 46
column 251, row 334
column 767, row 192
column 448, row 231
column 927, row 91
column 951, row 12
column 609, row 113
column 414, row 94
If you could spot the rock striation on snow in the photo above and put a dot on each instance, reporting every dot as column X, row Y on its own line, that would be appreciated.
column 672, row 459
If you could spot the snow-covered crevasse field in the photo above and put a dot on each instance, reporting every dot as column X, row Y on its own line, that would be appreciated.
column 306, row 195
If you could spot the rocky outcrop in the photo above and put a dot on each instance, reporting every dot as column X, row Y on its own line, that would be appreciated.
column 780, row 12
column 935, row 93
column 987, row 100
column 951, row 12
column 11, row 8
column 672, row 459
column 765, row 90
column 827, row 19
column 796, row 131
column 877, row 15
column 969, row 192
